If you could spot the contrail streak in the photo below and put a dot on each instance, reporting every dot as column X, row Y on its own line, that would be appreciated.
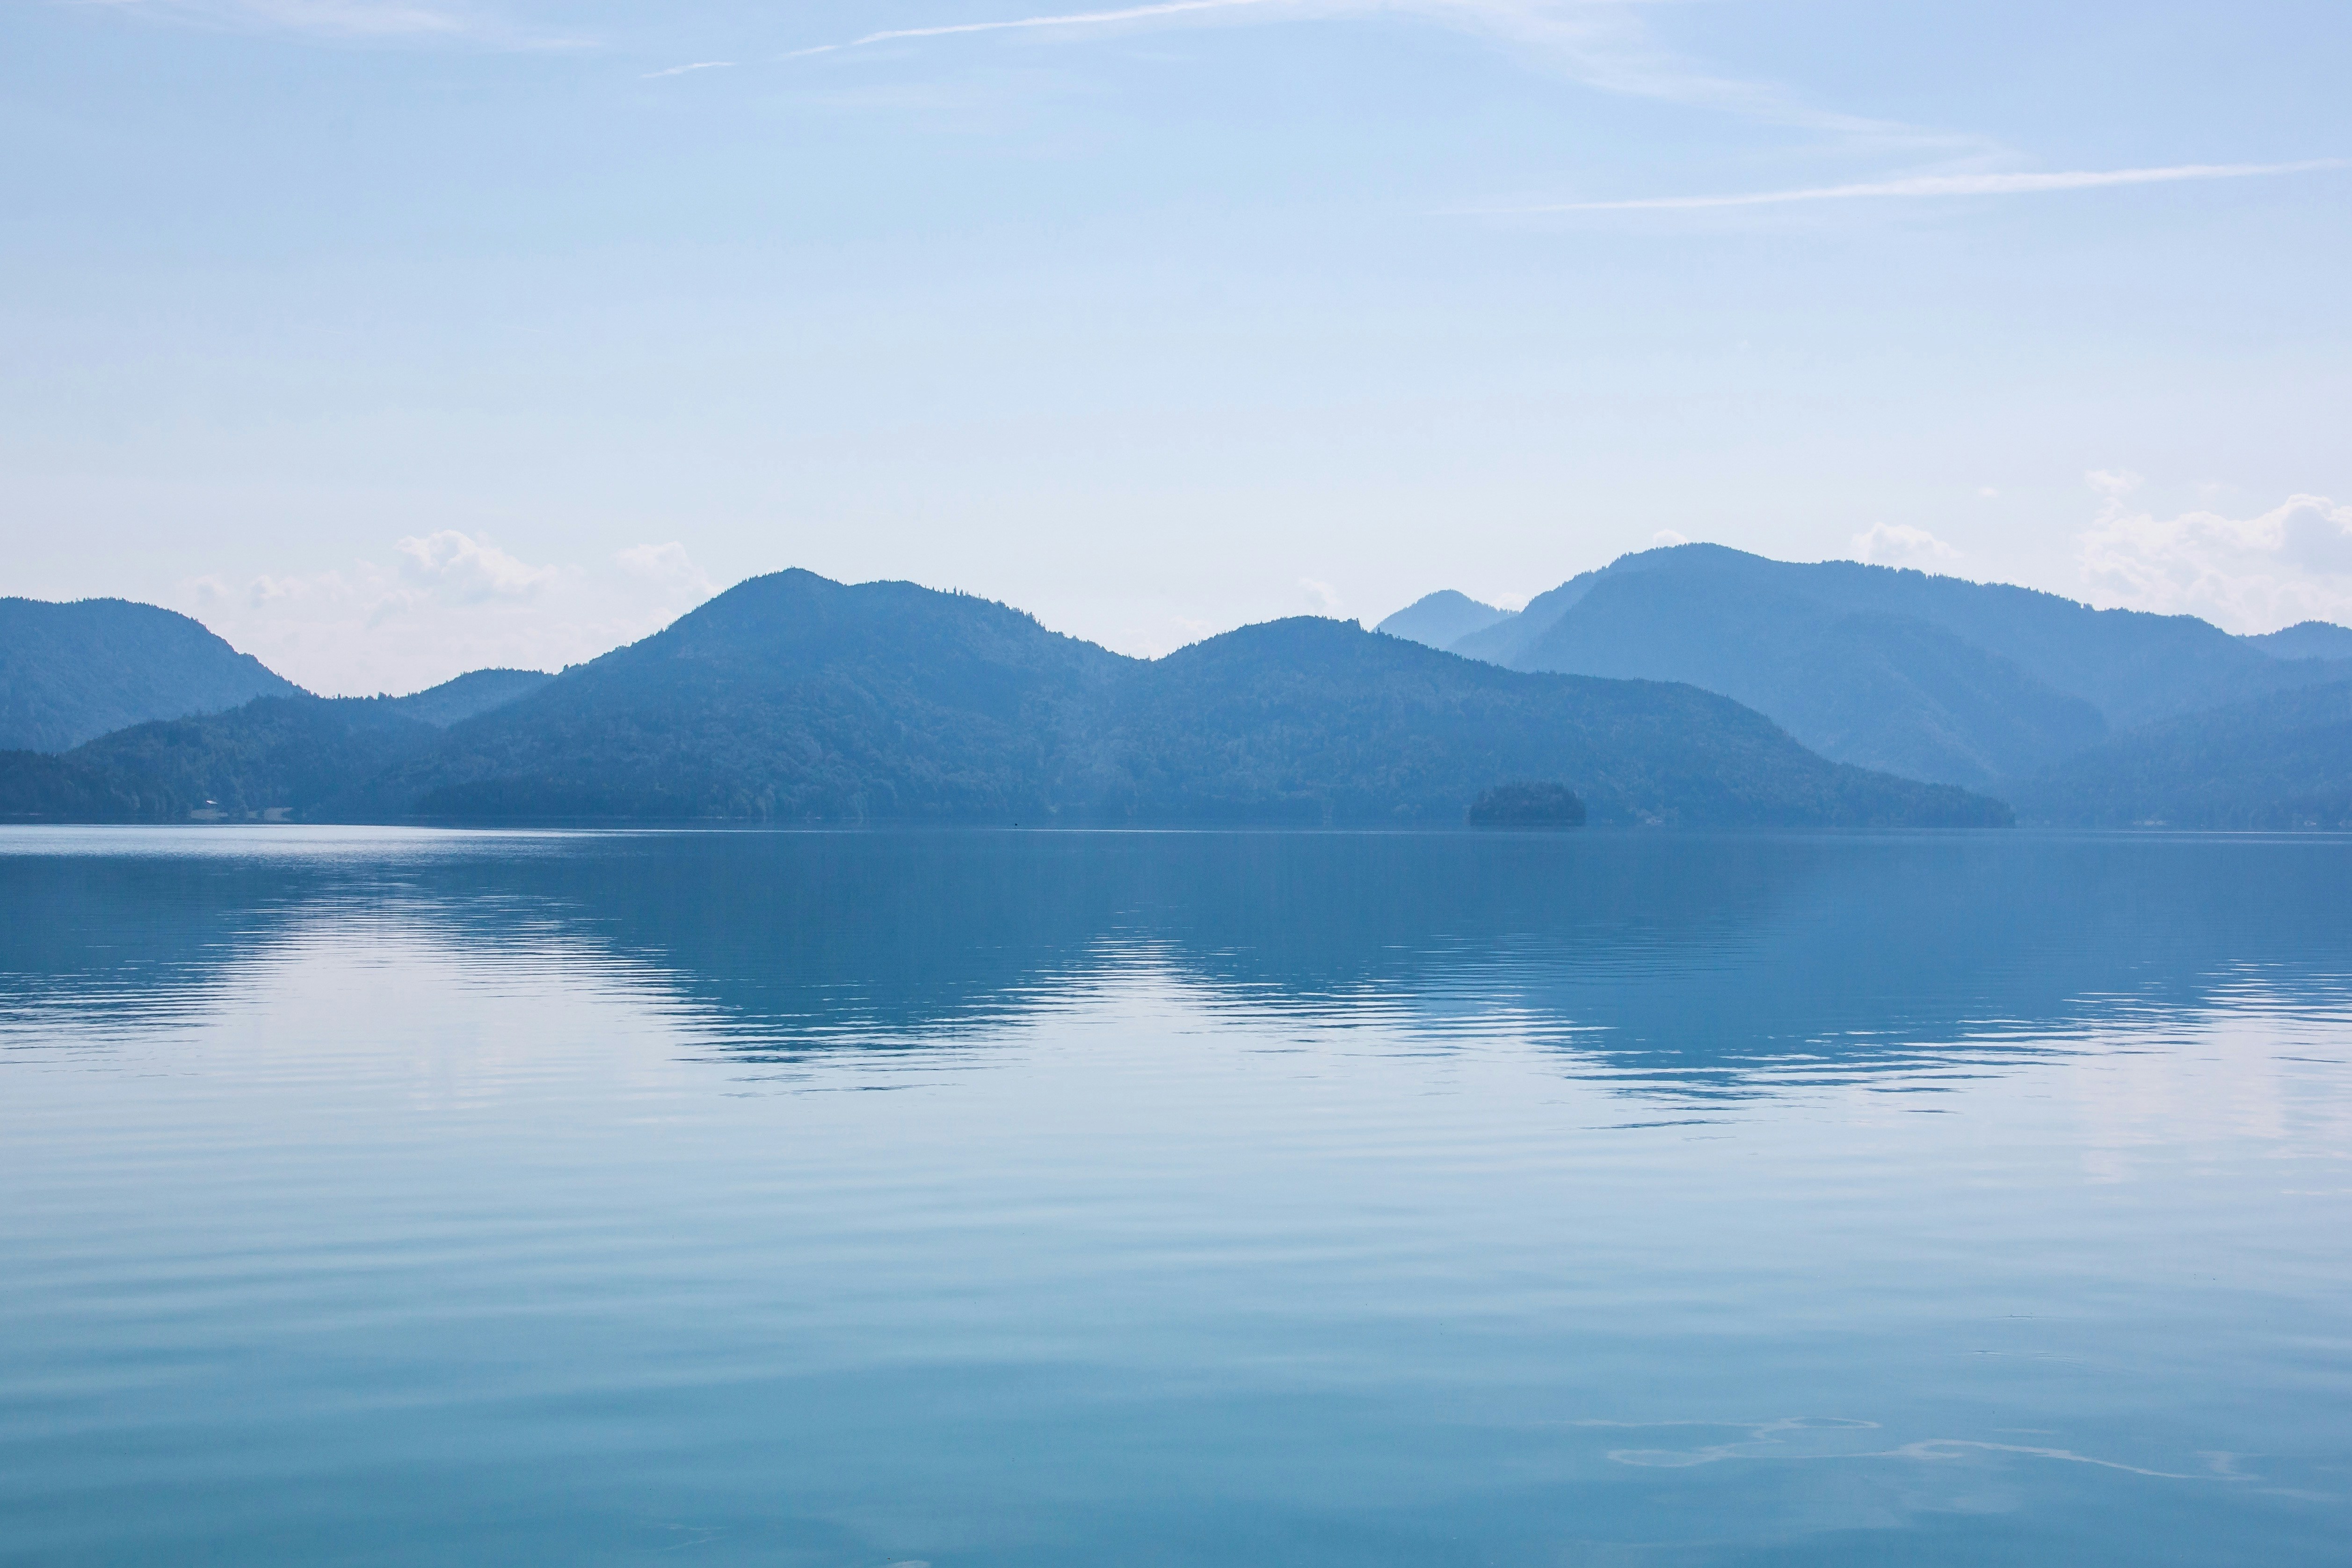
column 1076, row 19
column 1946, row 185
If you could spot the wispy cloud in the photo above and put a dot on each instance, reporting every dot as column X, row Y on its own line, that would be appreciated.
column 669, row 567
column 445, row 602
column 1901, row 545
column 1924, row 185
column 681, row 70
column 1075, row 19
column 1603, row 44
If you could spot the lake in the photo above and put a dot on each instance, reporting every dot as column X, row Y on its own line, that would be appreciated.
column 977, row 1198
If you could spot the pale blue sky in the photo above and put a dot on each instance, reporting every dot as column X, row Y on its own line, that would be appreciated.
column 396, row 336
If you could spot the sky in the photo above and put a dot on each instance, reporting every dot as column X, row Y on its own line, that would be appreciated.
column 394, row 338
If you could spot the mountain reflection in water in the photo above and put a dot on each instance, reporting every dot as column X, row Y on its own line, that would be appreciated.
column 1678, row 966
column 1312, row 1200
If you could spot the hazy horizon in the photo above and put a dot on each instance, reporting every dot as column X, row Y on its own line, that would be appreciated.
column 392, row 338
column 1368, row 621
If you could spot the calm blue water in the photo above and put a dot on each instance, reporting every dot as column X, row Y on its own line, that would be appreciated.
column 991, row 1198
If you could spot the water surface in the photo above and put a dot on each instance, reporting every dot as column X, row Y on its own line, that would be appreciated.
column 998, row 1198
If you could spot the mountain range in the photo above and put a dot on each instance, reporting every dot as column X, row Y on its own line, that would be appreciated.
column 792, row 698
column 1994, row 688
column 1691, row 685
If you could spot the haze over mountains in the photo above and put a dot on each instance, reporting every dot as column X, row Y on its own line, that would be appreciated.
column 1694, row 685
column 1983, row 685
column 2305, row 639
column 794, row 698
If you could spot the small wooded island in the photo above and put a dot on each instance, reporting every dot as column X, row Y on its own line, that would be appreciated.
column 1528, row 803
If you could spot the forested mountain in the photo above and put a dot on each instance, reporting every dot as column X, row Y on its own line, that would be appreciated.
column 2281, row 762
column 2305, row 639
column 1504, row 641
column 1649, row 688
column 276, row 758
column 792, row 698
column 1442, row 619
column 72, row 672
column 1311, row 720
column 1888, row 691
column 1934, row 678
column 35, row 786
column 463, row 696
column 787, row 698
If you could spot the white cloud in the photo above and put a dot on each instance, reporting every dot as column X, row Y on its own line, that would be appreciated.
column 682, row 70
column 1325, row 596
column 1667, row 536
column 668, row 566
column 1900, row 544
column 469, row 570
column 2290, row 564
column 449, row 602
column 1949, row 186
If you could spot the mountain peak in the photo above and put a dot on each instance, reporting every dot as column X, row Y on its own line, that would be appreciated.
column 71, row 672
column 1443, row 619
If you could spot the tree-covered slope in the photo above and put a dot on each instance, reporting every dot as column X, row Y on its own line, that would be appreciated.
column 789, row 697
column 792, row 698
column 35, row 786
column 476, row 691
column 1318, row 720
column 1892, row 692
column 274, row 757
column 795, row 699
column 2305, row 640
column 1933, row 677
column 2281, row 762
column 300, row 756
column 70, row 673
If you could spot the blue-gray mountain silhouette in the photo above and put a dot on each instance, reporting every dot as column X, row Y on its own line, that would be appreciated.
column 1443, row 619
column 274, row 758
column 2305, row 639
column 463, row 696
column 792, row 698
column 795, row 699
column 2280, row 762
column 72, row 672
column 1931, row 677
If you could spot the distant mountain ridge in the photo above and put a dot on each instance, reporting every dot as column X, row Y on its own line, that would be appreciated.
column 1440, row 619
column 463, row 696
column 274, row 759
column 2305, row 639
column 794, row 698
column 1682, row 685
column 1305, row 717
column 72, row 672
column 1931, row 677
